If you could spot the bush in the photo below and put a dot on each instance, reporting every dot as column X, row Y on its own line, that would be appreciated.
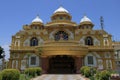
column 103, row 75
column 88, row 71
column 32, row 72
column 92, row 78
column 10, row 74
column 0, row 76
column 85, row 70
column 38, row 71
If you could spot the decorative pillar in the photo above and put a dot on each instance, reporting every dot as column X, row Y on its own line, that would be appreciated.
column 78, row 63
column 44, row 64
column 19, row 64
column 10, row 63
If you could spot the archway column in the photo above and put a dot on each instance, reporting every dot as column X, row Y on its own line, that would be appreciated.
column 45, row 64
column 78, row 63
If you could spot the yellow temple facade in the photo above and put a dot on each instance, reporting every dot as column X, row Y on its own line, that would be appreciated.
column 61, row 45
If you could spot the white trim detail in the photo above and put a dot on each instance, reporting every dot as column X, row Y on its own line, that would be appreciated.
column 100, row 64
column 94, row 60
column 37, row 60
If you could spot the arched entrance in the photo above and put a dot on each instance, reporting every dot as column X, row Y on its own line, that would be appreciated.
column 61, row 64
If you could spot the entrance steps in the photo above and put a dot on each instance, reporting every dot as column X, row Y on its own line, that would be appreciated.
column 60, row 77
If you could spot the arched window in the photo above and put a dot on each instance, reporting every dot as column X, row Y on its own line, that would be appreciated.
column 61, row 35
column 89, row 41
column 90, row 60
column 34, row 41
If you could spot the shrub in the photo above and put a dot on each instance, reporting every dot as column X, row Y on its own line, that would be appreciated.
column 38, row 71
column 88, row 71
column 0, row 76
column 10, row 74
column 103, row 75
column 92, row 78
column 85, row 70
column 33, row 71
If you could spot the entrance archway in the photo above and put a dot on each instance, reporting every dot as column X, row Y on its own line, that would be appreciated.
column 61, row 64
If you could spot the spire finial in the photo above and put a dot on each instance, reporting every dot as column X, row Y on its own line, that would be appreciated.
column 61, row 5
column 38, row 15
column 84, row 14
column 102, row 23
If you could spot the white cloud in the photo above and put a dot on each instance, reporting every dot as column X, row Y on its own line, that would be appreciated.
column 6, row 49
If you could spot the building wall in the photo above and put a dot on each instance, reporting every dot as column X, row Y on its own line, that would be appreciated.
column 38, row 41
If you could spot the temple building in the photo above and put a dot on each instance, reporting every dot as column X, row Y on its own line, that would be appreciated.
column 116, row 46
column 61, row 45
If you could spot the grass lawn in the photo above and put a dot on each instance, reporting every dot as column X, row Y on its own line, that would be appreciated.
column 22, row 77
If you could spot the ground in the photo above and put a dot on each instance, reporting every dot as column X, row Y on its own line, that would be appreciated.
column 60, row 77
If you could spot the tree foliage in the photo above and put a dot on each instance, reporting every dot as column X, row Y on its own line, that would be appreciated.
column 1, row 52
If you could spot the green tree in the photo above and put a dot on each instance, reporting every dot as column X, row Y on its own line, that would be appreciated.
column 1, row 52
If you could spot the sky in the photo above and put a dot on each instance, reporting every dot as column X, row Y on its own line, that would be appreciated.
column 16, row 13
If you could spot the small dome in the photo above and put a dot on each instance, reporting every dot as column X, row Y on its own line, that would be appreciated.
column 37, row 19
column 85, row 19
column 61, row 9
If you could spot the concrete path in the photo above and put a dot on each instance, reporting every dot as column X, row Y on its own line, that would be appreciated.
column 60, row 77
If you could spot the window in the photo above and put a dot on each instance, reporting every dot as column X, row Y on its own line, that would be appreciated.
column 34, row 42
column 33, row 60
column 87, row 27
column 61, row 17
column 88, row 41
column 35, row 27
column 90, row 60
column 67, row 18
column 61, row 35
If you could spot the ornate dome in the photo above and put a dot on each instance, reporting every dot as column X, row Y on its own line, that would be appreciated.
column 85, row 19
column 61, row 9
column 37, row 19
column 86, row 23
column 61, row 14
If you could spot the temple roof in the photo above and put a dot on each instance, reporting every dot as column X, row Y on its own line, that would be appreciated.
column 37, row 19
column 85, row 19
column 61, row 9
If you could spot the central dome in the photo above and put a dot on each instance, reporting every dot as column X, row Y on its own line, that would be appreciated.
column 61, row 9
column 61, row 14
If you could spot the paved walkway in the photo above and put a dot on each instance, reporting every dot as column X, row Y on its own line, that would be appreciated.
column 60, row 77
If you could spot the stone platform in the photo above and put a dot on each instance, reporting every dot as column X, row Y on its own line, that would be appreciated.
column 60, row 77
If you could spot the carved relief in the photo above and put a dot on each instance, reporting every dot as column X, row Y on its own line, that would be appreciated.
column 71, row 35
column 96, row 42
column 108, row 64
column 15, row 64
column 107, row 55
column 26, row 42
column 41, row 41
column 23, row 64
column 17, row 43
column 100, row 64
column 82, row 41
column 106, row 42
column 51, row 35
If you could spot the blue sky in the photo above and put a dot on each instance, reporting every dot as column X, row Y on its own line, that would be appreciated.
column 15, row 13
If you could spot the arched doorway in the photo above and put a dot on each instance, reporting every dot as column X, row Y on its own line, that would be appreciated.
column 61, row 64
